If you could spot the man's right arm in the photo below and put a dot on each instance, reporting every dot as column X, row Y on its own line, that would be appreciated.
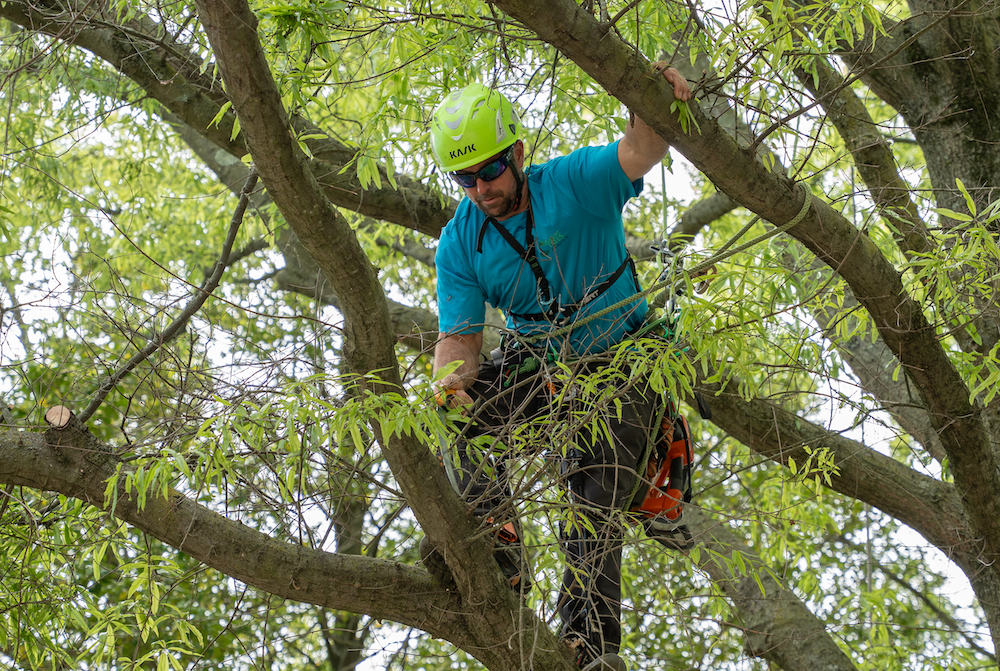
column 642, row 147
column 464, row 347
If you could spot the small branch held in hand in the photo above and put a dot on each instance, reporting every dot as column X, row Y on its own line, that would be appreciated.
column 203, row 292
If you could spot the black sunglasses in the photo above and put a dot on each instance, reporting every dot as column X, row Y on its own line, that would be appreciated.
column 487, row 173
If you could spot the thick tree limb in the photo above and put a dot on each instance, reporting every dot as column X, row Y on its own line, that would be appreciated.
column 952, row 108
column 369, row 344
column 71, row 462
column 870, row 361
column 293, row 187
column 776, row 624
column 937, row 68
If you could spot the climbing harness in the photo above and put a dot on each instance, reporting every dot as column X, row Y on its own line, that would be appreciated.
column 512, row 362
column 554, row 312
column 668, row 469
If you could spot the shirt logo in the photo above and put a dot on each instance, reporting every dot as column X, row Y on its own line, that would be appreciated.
column 557, row 239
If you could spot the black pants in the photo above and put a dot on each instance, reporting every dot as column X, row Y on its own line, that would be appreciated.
column 599, row 469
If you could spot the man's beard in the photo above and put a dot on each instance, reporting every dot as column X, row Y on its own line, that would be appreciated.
column 502, row 208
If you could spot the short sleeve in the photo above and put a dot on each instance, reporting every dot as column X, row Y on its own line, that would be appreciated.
column 461, row 301
column 593, row 177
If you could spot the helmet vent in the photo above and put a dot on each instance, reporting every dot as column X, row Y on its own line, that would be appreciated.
column 501, row 131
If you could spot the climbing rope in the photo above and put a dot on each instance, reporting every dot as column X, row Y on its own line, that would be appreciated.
column 723, row 253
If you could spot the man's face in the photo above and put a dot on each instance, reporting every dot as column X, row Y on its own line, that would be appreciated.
column 498, row 197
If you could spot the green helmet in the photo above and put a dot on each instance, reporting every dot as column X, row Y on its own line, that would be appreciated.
column 471, row 125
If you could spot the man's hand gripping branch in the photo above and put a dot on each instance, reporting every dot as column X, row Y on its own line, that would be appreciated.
column 642, row 147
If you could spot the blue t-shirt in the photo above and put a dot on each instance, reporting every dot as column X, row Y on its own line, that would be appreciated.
column 576, row 201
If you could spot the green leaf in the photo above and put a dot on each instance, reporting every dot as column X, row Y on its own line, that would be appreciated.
column 225, row 107
column 969, row 202
column 957, row 216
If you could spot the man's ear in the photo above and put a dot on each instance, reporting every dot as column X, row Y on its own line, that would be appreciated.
column 519, row 153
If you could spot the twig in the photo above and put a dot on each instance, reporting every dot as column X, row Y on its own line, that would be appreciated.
column 203, row 292
column 8, row 494
column 5, row 413
column 625, row 10
column 752, row 148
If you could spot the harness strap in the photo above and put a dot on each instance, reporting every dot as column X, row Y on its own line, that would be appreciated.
column 555, row 313
column 527, row 254
column 568, row 311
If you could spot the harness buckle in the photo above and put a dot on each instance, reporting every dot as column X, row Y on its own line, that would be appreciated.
column 551, row 305
column 662, row 249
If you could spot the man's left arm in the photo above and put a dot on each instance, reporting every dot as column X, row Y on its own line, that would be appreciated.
column 642, row 147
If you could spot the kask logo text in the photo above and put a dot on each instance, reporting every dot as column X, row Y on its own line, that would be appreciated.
column 463, row 151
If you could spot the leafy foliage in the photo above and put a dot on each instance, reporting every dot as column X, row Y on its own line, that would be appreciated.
column 109, row 223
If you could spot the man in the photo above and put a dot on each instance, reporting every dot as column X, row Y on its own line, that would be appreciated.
column 546, row 247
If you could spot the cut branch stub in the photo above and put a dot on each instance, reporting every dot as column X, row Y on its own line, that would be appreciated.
column 68, row 430
column 58, row 417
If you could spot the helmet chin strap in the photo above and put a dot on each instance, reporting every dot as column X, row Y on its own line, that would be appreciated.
column 519, row 182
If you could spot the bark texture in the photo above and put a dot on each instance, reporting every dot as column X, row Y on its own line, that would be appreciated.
column 369, row 346
column 776, row 625
column 72, row 462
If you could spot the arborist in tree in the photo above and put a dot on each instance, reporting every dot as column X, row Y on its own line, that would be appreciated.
column 546, row 246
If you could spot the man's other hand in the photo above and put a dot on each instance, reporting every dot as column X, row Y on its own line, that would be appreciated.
column 682, row 90
column 450, row 392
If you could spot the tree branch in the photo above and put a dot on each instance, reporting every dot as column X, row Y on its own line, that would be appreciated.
column 872, row 156
column 175, row 328
column 65, row 460
column 861, row 473
column 873, row 365
column 926, row 598
column 776, row 624
column 369, row 345
column 873, row 279
column 415, row 328
column 173, row 75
